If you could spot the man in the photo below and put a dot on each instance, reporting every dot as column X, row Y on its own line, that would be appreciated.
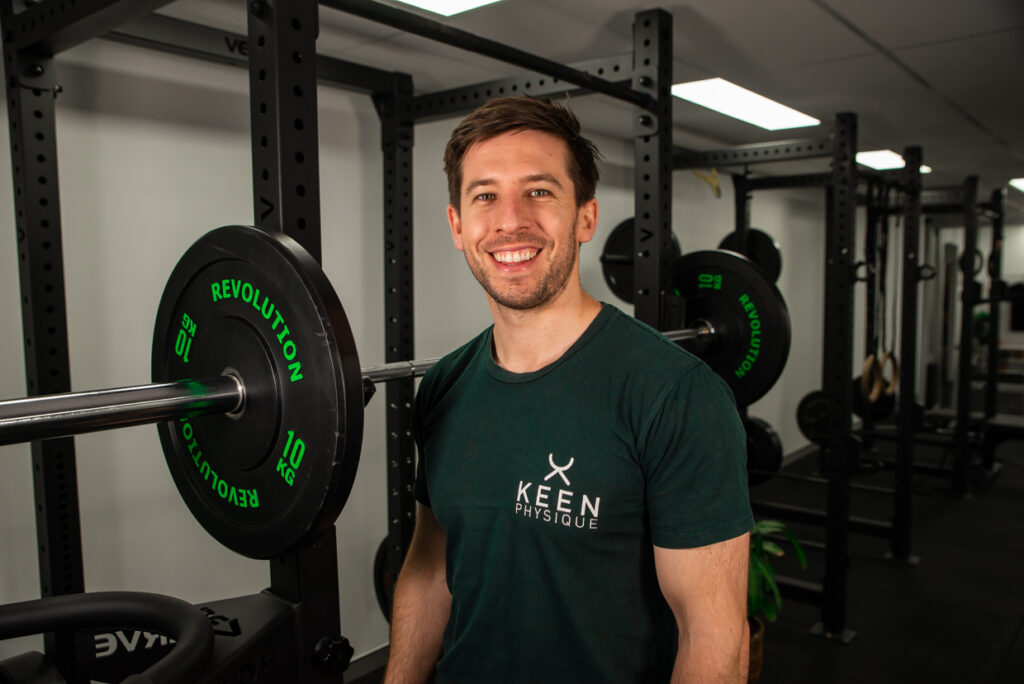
column 583, row 511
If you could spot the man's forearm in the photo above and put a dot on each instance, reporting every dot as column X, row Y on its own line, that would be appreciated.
column 715, row 660
column 418, row 619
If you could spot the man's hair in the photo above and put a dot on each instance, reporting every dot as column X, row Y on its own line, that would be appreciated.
column 523, row 113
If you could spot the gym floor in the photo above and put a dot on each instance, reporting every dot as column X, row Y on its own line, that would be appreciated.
column 955, row 616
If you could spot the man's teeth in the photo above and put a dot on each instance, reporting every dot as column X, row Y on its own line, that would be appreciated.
column 515, row 257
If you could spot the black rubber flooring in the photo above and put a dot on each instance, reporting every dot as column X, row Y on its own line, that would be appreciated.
column 956, row 616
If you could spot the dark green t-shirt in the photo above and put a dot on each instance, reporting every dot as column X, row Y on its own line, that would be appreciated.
column 552, row 486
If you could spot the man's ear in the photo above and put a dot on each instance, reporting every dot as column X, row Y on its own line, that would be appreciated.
column 586, row 221
column 455, row 223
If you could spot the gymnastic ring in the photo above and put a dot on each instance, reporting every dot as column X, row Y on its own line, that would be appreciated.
column 894, row 380
column 871, row 381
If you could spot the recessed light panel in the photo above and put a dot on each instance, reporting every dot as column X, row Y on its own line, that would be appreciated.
column 447, row 7
column 732, row 100
column 882, row 160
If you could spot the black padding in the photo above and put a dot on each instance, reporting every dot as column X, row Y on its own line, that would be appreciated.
column 172, row 617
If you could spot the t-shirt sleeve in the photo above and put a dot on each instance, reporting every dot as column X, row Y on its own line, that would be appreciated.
column 694, row 459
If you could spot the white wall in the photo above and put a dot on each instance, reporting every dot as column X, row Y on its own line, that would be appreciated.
column 154, row 151
column 1013, row 272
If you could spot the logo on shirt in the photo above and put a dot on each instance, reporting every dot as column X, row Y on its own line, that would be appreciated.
column 556, row 503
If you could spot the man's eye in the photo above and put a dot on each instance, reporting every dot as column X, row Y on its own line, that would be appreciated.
column 539, row 192
column 485, row 196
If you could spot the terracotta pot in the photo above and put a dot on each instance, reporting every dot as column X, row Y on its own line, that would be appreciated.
column 756, row 649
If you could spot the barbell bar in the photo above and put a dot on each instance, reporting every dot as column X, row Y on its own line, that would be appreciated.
column 74, row 413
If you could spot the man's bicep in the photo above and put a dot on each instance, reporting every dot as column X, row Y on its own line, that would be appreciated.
column 706, row 585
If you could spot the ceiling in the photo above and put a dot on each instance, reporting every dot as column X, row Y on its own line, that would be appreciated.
column 942, row 74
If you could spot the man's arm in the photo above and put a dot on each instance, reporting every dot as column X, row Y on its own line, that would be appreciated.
column 706, row 588
column 420, row 610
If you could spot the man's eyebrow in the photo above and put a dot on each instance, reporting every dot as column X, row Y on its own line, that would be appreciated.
column 477, row 184
column 546, row 177
column 535, row 178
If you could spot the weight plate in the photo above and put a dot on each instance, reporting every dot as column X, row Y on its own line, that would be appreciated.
column 617, row 259
column 764, row 450
column 383, row 581
column 759, row 247
column 748, row 314
column 812, row 417
column 276, row 475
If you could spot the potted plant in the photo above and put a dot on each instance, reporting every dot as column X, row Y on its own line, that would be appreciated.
column 763, row 599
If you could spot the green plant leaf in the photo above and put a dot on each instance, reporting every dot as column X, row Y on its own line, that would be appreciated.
column 772, row 548
column 775, row 591
column 768, row 526
column 801, row 556
column 770, row 612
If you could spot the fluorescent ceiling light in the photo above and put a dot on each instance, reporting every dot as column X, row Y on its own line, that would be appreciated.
column 881, row 160
column 447, row 7
column 740, row 103
column 1018, row 183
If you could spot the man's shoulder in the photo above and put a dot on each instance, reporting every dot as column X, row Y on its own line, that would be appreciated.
column 641, row 347
column 451, row 366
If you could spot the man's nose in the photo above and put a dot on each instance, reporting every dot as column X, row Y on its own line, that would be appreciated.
column 513, row 214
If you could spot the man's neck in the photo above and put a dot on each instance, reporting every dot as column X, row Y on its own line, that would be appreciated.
column 526, row 341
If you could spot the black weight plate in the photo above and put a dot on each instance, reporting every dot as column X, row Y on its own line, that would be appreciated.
column 812, row 417
column 617, row 259
column 383, row 582
column 760, row 247
column 748, row 313
column 255, row 304
column 764, row 450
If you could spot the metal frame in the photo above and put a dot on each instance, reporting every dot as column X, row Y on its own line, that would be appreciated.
column 840, row 185
column 969, row 430
column 286, row 198
column 31, row 38
column 997, row 292
column 396, row 145
column 900, row 541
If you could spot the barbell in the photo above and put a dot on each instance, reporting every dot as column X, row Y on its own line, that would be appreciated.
column 258, row 393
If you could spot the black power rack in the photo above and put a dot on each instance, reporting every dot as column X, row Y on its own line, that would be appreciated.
column 840, row 455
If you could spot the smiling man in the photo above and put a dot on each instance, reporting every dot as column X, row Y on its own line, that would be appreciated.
column 583, row 510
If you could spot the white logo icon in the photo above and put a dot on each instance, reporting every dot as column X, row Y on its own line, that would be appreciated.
column 559, row 470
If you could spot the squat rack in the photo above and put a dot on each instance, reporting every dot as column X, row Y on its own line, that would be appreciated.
column 278, row 50
column 841, row 451
column 961, row 202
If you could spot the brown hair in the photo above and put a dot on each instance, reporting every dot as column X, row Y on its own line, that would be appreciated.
column 523, row 113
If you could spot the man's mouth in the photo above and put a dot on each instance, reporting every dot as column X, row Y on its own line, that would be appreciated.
column 517, row 256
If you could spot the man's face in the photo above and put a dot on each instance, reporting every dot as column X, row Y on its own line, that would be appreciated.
column 518, row 224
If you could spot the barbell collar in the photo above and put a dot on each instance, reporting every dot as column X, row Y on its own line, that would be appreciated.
column 398, row 370
column 700, row 330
